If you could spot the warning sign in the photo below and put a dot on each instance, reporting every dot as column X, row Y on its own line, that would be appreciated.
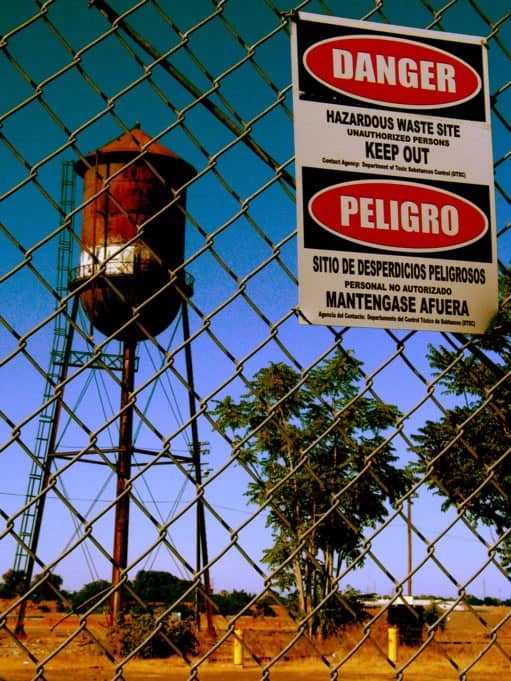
column 394, row 176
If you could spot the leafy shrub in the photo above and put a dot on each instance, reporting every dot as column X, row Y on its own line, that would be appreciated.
column 430, row 615
column 264, row 607
column 157, row 586
column 131, row 634
column 49, row 588
column 89, row 593
column 413, row 621
column 231, row 602
column 342, row 610
column 13, row 584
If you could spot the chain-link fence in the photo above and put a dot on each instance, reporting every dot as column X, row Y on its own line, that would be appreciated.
column 189, row 471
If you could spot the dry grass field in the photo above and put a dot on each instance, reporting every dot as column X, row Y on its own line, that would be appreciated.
column 66, row 651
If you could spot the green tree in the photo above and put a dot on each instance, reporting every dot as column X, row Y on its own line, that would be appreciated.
column 13, row 583
column 48, row 588
column 157, row 586
column 464, row 455
column 232, row 602
column 89, row 594
column 316, row 448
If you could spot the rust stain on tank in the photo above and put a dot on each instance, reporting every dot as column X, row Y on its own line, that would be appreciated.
column 133, row 235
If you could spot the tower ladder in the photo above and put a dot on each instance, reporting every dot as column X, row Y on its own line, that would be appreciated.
column 22, row 558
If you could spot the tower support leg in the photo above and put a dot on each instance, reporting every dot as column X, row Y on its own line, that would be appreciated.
column 123, row 472
column 202, row 546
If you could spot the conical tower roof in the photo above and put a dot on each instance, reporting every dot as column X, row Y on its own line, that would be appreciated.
column 130, row 144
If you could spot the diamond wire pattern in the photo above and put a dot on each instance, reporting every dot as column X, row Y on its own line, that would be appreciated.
column 212, row 83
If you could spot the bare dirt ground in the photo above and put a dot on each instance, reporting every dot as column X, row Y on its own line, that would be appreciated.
column 69, row 651
column 86, row 670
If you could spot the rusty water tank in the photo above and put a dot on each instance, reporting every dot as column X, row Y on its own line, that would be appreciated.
column 132, row 239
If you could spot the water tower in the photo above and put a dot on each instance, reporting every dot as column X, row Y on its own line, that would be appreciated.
column 131, row 284
column 131, row 261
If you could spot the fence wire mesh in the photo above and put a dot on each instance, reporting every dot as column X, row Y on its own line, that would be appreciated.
column 187, row 470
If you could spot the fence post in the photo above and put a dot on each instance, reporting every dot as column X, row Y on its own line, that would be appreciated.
column 237, row 649
column 392, row 634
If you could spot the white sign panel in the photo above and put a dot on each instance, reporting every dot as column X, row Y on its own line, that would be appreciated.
column 395, row 196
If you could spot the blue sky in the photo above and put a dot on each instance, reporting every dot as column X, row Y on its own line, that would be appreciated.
column 236, row 209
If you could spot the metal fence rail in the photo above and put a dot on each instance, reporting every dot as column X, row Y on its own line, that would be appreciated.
column 339, row 480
